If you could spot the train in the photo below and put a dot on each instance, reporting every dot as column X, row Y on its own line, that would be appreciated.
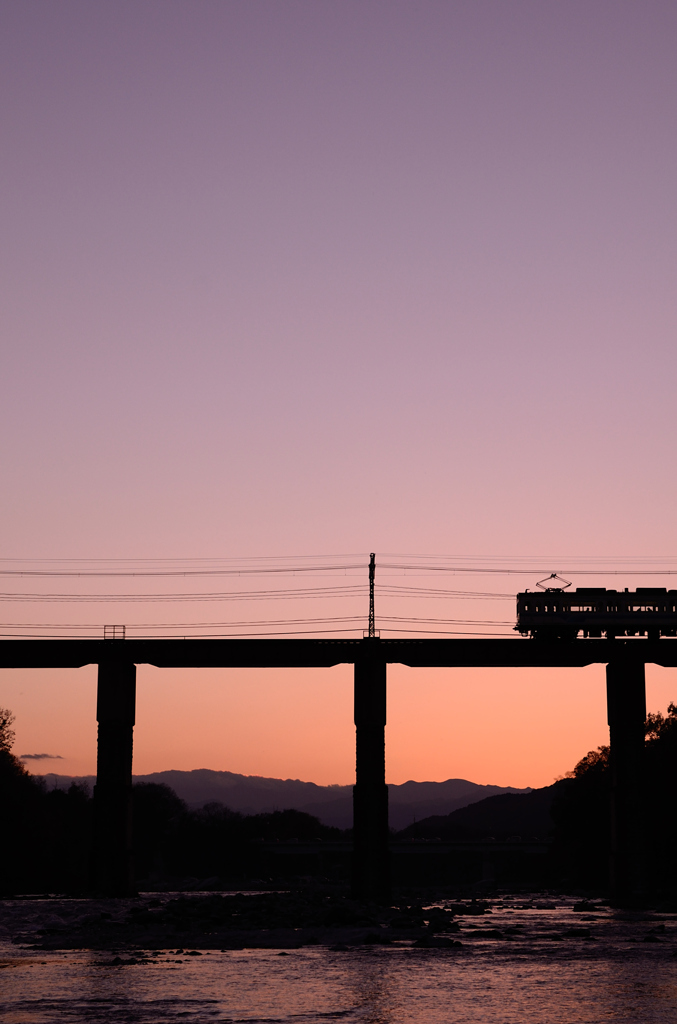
column 558, row 614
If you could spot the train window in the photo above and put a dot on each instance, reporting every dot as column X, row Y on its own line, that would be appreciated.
column 582, row 608
column 526, row 608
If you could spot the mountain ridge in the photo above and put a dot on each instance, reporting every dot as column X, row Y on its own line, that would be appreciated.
column 254, row 794
column 498, row 817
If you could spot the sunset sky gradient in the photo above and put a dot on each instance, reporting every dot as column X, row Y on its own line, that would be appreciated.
column 299, row 277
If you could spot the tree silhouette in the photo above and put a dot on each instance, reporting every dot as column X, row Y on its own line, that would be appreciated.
column 6, row 731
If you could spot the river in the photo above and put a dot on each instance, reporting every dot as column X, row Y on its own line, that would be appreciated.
column 620, row 967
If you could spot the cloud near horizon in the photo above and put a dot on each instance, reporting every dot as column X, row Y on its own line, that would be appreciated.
column 40, row 757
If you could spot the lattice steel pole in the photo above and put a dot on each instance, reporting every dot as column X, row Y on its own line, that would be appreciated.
column 372, row 574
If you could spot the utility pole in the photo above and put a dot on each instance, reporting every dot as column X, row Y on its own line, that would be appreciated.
column 372, row 574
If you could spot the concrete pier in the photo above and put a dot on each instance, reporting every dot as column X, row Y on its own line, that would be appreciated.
column 112, row 860
column 371, row 859
column 626, row 707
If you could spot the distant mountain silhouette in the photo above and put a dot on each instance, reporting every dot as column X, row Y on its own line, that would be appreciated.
column 505, row 816
column 333, row 805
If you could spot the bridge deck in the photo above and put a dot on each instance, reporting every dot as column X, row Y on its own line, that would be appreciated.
column 272, row 653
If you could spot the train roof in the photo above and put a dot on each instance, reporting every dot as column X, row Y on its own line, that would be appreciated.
column 590, row 591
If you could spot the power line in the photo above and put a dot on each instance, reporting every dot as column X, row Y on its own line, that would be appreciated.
column 461, row 570
column 307, row 593
column 242, row 595
column 267, row 633
column 276, row 568
column 189, row 625
column 155, row 573
column 255, row 622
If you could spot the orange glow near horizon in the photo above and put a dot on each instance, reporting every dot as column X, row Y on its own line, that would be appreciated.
column 510, row 727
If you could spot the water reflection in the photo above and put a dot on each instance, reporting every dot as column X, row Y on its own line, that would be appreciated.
column 537, row 973
column 374, row 985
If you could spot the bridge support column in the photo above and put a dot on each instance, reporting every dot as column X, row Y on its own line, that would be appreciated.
column 371, row 858
column 112, row 863
column 626, row 706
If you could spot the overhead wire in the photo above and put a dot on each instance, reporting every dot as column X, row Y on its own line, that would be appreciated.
column 277, row 567
column 241, row 595
column 256, row 595
column 171, row 573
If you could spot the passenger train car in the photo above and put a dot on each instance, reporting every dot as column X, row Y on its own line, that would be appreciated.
column 595, row 612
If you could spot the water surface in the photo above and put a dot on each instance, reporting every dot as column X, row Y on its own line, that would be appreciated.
column 537, row 973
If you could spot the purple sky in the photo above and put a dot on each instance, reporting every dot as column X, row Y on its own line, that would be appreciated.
column 288, row 277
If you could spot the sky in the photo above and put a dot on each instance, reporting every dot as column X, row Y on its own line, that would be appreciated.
column 309, row 278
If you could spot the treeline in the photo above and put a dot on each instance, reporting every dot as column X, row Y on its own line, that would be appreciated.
column 581, row 812
column 171, row 841
column 45, row 837
column 46, row 834
column 574, row 817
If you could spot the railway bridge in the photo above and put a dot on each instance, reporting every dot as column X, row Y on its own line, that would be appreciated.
column 117, row 659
